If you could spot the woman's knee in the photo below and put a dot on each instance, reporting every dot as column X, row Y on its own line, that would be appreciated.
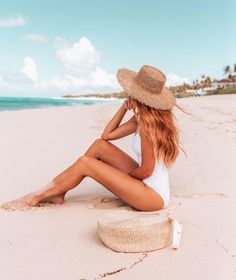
column 99, row 145
column 81, row 161
column 95, row 148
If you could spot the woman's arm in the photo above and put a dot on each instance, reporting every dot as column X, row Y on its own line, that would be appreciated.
column 146, row 168
column 116, row 120
column 139, row 173
column 114, row 130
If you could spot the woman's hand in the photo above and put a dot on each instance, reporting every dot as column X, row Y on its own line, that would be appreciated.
column 127, row 104
column 117, row 118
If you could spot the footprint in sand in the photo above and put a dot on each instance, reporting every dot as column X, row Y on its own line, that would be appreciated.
column 101, row 202
column 106, row 202
column 192, row 195
column 40, row 206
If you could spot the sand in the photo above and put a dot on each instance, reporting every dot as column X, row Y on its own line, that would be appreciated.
column 60, row 242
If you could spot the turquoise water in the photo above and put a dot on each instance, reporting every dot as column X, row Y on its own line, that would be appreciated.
column 22, row 103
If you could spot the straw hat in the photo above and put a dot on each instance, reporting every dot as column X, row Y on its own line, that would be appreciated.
column 130, row 231
column 147, row 86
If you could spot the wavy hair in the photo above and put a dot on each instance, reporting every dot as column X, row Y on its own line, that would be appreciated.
column 159, row 128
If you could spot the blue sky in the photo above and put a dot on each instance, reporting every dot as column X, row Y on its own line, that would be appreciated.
column 50, row 48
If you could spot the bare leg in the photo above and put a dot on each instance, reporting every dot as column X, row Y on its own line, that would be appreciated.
column 70, row 178
column 56, row 189
column 65, row 177
column 129, row 189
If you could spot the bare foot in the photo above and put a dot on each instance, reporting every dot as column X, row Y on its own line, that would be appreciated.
column 31, row 200
column 57, row 199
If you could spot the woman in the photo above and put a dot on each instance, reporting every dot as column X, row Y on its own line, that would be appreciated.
column 144, row 185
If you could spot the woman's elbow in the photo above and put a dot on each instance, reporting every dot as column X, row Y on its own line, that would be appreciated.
column 147, row 172
column 104, row 137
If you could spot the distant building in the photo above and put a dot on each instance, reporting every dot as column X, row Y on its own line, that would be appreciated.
column 223, row 84
column 209, row 88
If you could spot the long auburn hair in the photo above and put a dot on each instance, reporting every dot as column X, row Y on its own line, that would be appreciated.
column 159, row 128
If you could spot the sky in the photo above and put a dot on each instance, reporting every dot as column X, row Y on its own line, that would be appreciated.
column 51, row 48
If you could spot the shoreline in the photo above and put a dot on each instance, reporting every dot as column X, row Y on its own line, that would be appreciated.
column 220, row 96
column 16, row 104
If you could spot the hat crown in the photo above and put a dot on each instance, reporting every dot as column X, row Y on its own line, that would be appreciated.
column 151, row 79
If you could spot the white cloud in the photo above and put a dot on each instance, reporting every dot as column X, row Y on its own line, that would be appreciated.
column 66, row 83
column 35, row 38
column 29, row 69
column 101, row 78
column 76, row 82
column 81, row 64
column 80, row 72
column 54, row 83
column 176, row 80
column 12, row 21
column 97, row 79
column 81, row 57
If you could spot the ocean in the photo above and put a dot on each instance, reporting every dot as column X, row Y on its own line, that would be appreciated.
column 22, row 103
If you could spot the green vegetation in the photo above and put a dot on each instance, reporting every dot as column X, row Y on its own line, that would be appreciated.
column 228, row 70
column 231, row 90
column 184, row 94
column 101, row 95
column 206, row 81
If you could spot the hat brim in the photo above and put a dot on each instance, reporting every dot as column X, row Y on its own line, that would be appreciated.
column 164, row 100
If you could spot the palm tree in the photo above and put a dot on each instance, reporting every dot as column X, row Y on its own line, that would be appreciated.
column 202, row 80
column 227, row 69
column 197, row 85
column 234, row 71
column 207, row 81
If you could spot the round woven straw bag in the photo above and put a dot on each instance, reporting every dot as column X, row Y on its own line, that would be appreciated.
column 128, row 231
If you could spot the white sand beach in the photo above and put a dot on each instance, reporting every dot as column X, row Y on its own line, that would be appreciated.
column 60, row 242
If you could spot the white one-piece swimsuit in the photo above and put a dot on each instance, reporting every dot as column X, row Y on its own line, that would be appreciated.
column 159, row 179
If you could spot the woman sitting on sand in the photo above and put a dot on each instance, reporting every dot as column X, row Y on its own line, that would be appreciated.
column 143, row 185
